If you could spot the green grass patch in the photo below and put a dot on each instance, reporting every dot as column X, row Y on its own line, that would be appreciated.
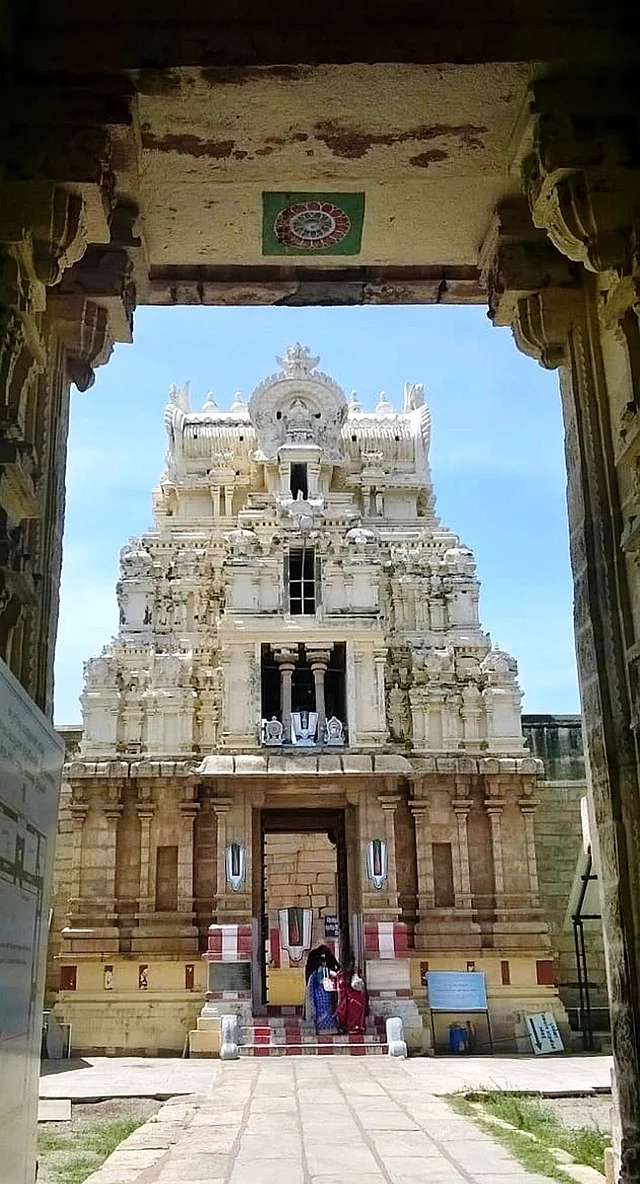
column 532, row 1155
column 586, row 1144
column 68, row 1157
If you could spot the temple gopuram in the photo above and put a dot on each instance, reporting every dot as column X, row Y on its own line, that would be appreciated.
column 300, row 735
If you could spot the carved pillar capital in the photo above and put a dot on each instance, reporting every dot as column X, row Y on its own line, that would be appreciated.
column 582, row 176
column 285, row 657
column 318, row 658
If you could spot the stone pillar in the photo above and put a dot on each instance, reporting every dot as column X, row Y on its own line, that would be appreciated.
column 426, row 887
column 79, row 810
column 461, row 807
column 527, row 809
column 145, row 814
column 380, row 665
column 228, row 501
column 494, row 807
column 318, row 661
column 389, row 802
column 584, row 197
column 286, row 659
column 112, row 812
column 188, row 811
column 220, row 807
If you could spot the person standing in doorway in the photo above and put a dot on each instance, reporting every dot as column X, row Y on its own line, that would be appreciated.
column 351, row 1010
column 321, row 993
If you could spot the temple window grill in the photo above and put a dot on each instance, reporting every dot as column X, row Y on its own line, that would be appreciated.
column 302, row 581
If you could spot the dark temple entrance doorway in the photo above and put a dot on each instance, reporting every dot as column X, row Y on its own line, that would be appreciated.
column 300, row 898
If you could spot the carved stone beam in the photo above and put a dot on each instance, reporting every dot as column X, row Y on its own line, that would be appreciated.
column 582, row 176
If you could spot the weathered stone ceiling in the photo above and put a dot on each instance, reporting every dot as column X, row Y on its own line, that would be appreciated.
column 419, row 107
column 430, row 147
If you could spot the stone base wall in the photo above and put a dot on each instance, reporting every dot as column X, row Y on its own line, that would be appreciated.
column 558, row 833
column 62, row 879
column 129, row 1018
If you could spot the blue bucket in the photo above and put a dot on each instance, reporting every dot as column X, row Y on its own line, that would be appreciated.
column 458, row 1039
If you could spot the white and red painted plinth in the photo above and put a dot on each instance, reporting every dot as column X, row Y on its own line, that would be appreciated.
column 388, row 972
column 229, row 960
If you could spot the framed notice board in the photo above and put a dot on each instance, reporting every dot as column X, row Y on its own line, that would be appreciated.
column 457, row 992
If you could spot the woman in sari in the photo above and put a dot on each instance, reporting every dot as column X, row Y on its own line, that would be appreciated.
column 351, row 1011
column 321, row 994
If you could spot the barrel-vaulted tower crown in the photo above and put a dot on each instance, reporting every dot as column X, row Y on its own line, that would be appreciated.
column 298, row 408
column 297, row 589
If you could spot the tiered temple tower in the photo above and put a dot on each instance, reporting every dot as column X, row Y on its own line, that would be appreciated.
column 299, row 654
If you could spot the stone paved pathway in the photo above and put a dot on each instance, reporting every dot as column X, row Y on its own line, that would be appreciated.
column 161, row 1077
column 312, row 1121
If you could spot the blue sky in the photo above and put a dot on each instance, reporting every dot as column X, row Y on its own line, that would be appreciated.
column 497, row 460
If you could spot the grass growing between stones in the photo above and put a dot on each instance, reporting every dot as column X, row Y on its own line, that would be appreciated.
column 533, row 1131
column 69, row 1153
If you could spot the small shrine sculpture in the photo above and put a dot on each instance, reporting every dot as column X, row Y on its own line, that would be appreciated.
column 334, row 731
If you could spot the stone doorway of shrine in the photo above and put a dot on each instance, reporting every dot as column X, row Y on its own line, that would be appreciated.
column 301, row 899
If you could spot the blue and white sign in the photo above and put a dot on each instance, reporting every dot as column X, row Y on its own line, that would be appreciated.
column 457, row 990
column 543, row 1033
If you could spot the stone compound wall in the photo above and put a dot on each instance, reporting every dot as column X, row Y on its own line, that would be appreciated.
column 557, row 740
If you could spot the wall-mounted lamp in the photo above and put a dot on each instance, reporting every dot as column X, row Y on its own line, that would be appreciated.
column 235, row 863
column 377, row 861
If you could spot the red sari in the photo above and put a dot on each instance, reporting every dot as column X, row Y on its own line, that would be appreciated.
column 351, row 1009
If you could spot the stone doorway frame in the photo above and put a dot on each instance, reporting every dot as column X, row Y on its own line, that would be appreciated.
column 294, row 820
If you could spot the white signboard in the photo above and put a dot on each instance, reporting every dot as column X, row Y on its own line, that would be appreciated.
column 543, row 1033
column 31, row 757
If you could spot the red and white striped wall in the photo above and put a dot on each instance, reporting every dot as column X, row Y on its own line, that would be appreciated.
column 386, row 939
column 229, row 943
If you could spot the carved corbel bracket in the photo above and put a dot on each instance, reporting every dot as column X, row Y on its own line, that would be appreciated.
column 517, row 259
column 49, row 222
column 18, row 497
column 105, row 275
column 530, row 286
column 582, row 177
column 83, row 327
column 542, row 323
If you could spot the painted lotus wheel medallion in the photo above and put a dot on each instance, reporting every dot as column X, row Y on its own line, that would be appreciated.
column 311, row 225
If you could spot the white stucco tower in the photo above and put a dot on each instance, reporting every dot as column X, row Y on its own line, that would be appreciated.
column 300, row 651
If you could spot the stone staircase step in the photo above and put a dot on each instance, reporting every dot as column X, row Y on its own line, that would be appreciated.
column 339, row 1048
column 256, row 1035
column 283, row 1032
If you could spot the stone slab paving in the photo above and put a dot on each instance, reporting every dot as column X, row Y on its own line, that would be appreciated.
column 54, row 1110
column 321, row 1121
column 162, row 1077
column 92, row 1079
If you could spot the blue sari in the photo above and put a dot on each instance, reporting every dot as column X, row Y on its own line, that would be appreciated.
column 320, row 1005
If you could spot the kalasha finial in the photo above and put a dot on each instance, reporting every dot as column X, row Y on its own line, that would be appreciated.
column 298, row 360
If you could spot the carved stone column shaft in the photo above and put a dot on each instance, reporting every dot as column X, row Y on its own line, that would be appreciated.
column 319, row 661
column 145, row 814
column 461, row 807
column 494, row 810
column 527, row 809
